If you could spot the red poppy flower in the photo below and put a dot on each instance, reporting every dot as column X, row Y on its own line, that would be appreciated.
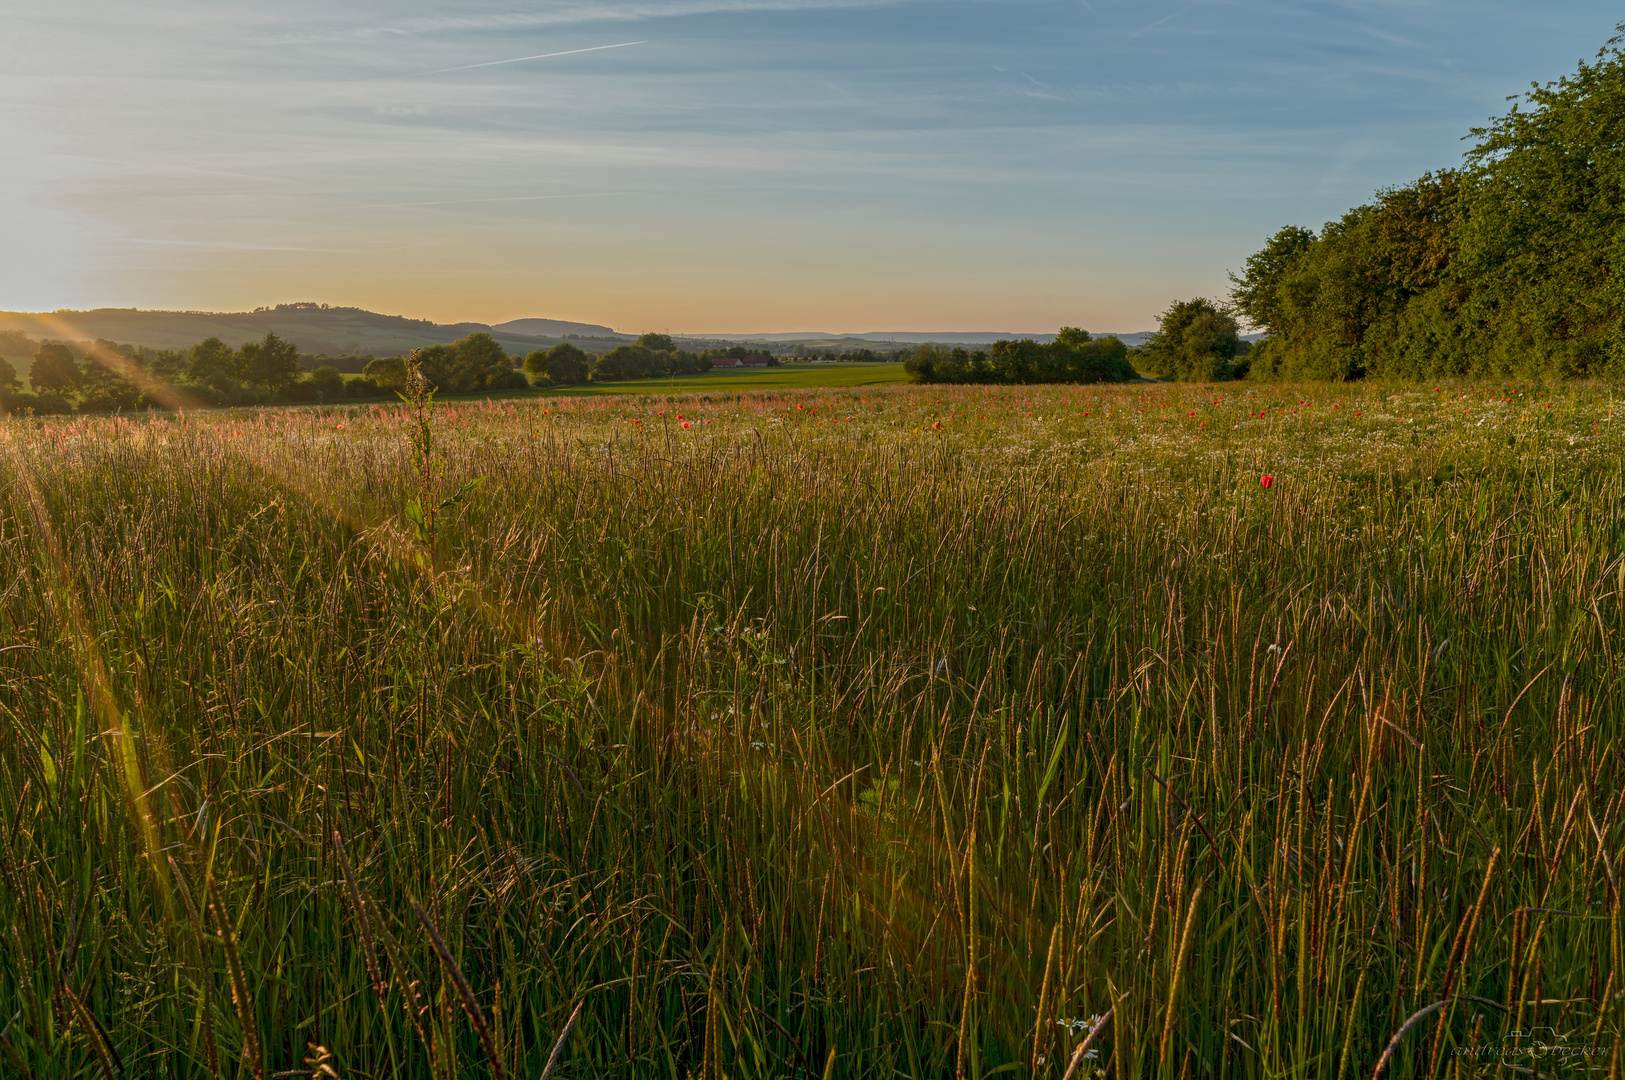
column 1267, row 480
column 687, row 424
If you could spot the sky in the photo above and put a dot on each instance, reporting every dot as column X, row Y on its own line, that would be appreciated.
column 736, row 166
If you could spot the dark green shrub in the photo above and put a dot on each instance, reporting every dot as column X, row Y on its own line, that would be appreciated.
column 327, row 381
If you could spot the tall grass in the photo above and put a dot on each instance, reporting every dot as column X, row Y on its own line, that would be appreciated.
column 895, row 732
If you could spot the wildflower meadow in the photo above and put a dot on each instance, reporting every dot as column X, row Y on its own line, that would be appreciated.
column 936, row 731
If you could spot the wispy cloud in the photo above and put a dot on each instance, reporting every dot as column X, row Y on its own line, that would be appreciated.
column 574, row 14
column 1159, row 22
column 878, row 139
column 495, row 199
column 538, row 56
column 216, row 245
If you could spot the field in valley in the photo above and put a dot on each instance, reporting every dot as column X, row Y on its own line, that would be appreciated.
column 1160, row 730
column 789, row 375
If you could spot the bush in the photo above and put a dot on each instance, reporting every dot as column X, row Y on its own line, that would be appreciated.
column 327, row 381
column 100, row 403
column 362, row 388
column 220, row 388
column 508, row 380
column 387, row 372
column 35, row 404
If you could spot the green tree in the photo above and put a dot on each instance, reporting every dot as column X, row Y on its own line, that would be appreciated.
column 658, row 343
column 17, row 343
column 207, row 357
column 167, row 365
column 484, row 353
column 683, row 362
column 474, row 363
column 1258, row 292
column 1543, row 235
column 1073, row 357
column 8, row 376
column 562, row 365
column 272, row 363
column 439, row 365
column 54, row 370
column 108, row 378
column 1082, row 359
column 1512, row 265
column 1196, row 341
column 387, row 372
column 1209, row 348
column 624, row 362
column 924, row 360
column 328, row 382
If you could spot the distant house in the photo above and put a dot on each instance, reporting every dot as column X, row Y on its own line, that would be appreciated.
column 726, row 361
column 756, row 360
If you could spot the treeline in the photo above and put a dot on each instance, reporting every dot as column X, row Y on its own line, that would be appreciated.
column 652, row 356
column 104, row 376
column 474, row 364
column 1073, row 357
column 1513, row 264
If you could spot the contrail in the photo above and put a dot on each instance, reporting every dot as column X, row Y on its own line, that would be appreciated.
column 1156, row 24
column 539, row 56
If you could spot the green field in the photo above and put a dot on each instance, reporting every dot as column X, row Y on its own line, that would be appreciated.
column 783, row 377
column 846, row 732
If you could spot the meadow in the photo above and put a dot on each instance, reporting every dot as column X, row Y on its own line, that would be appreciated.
column 788, row 375
column 1142, row 731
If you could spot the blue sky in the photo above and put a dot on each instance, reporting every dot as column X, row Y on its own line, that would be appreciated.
column 748, row 165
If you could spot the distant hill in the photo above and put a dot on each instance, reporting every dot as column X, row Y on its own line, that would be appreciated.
column 906, row 337
column 315, row 328
column 554, row 328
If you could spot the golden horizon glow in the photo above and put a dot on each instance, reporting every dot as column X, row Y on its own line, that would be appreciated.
column 751, row 166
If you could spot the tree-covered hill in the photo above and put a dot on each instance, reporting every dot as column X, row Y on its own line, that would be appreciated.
column 314, row 328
